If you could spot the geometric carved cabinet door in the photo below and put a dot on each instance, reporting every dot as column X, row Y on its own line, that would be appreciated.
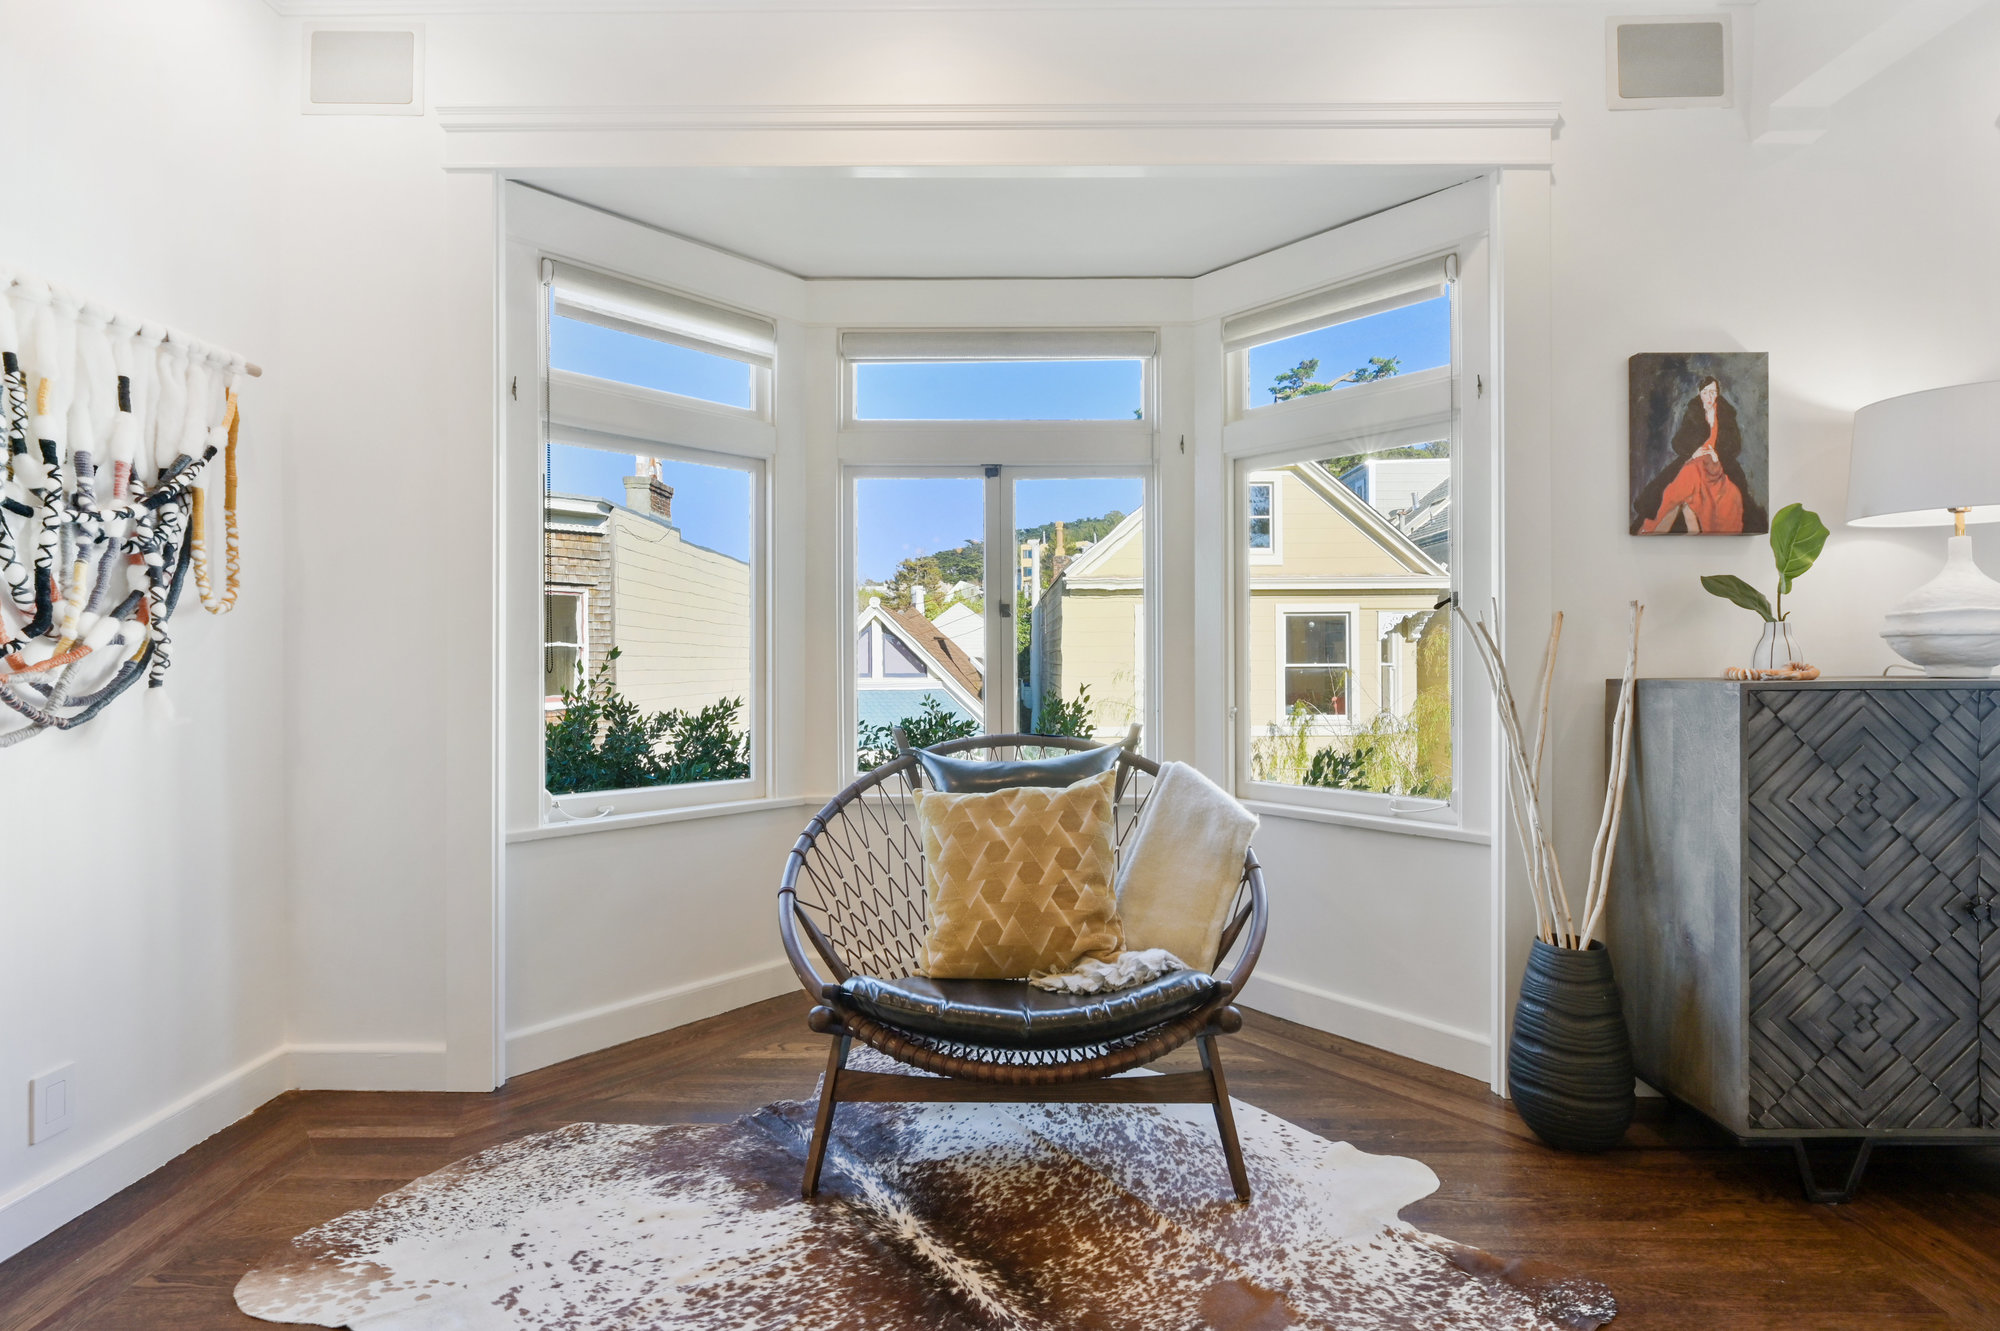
column 1873, row 863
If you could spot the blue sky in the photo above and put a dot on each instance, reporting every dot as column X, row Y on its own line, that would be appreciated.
column 1073, row 390
column 901, row 517
column 711, row 504
column 1419, row 334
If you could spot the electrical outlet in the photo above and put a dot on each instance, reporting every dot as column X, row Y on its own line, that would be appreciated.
column 51, row 1101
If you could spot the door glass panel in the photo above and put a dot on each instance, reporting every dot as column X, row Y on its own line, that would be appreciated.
column 1080, row 633
column 920, row 555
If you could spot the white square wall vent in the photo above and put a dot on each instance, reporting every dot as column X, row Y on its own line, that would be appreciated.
column 367, row 71
column 1668, row 60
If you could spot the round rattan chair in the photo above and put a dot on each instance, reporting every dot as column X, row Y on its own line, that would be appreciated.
column 851, row 904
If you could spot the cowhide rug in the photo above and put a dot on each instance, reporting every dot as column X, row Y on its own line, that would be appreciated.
column 929, row 1218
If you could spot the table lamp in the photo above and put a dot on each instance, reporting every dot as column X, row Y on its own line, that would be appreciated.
column 1925, row 460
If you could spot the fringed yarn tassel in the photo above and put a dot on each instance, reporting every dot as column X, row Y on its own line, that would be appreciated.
column 198, row 527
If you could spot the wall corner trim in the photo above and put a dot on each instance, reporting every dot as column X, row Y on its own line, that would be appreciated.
column 1466, row 1052
column 584, row 1032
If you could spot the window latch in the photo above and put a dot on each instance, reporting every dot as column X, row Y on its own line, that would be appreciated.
column 1006, row 610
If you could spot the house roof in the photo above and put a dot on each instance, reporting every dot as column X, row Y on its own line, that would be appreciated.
column 888, row 707
column 935, row 643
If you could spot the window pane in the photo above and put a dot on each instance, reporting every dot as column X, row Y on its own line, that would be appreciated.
column 1314, row 718
column 612, row 353
column 1403, row 341
column 1080, row 637
column 559, row 618
column 657, row 553
column 863, row 664
column 559, row 671
column 1316, row 639
column 1011, row 390
column 920, row 554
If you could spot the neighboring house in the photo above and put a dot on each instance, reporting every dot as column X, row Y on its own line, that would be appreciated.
column 901, row 658
column 966, row 627
column 1396, row 485
column 1338, row 596
column 620, row 575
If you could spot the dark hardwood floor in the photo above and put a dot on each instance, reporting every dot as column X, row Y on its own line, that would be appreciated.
column 1690, row 1231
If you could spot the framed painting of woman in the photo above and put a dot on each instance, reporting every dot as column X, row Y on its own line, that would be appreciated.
column 1700, row 443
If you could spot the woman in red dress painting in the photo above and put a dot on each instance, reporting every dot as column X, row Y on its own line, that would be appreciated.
column 1703, row 490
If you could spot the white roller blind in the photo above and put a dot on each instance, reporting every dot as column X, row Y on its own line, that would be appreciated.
column 880, row 344
column 664, row 316
column 1338, row 304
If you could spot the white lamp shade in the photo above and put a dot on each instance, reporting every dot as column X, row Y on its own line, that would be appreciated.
column 1919, row 456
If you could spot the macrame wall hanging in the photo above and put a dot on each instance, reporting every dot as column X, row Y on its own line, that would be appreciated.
column 111, row 425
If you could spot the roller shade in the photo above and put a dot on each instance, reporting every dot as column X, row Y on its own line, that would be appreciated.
column 664, row 316
column 1391, row 290
column 883, row 344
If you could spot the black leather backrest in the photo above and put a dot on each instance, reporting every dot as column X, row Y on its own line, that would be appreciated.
column 962, row 776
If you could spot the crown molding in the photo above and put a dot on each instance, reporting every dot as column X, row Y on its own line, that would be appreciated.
column 486, row 8
column 1543, row 116
column 1480, row 135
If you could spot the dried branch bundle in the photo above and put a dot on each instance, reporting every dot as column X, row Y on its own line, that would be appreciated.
column 1555, row 922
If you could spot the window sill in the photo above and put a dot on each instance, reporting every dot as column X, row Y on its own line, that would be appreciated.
column 652, row 817
column 1368, row 821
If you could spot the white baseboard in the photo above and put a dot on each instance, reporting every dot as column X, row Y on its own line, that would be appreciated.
column 1427, row 1041
column 366, row 1067
column 51, row 1200
column 585, row 1032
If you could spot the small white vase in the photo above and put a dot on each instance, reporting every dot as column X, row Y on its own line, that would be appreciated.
column 1778, row 648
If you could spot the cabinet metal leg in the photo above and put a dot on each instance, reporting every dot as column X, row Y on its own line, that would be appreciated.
column 1845, row 1192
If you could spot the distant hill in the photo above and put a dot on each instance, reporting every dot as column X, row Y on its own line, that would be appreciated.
column 967, row 563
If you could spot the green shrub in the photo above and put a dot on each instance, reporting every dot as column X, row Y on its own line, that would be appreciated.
column 603, row 741
column 932, row 724
column 1066, row 718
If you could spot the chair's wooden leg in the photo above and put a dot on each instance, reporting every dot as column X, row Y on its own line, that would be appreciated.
column 836, row 1059
column 1225, row 1118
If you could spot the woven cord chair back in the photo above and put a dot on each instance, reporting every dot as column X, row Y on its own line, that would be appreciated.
column 851, row 902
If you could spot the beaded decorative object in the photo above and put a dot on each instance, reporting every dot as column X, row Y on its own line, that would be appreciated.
column 102, row 513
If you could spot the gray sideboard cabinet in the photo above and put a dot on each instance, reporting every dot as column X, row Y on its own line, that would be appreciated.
column 1805, row 912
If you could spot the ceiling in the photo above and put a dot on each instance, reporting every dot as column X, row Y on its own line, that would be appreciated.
column 997, row 222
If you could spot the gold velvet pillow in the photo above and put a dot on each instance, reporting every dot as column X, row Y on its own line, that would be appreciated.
column 1018, row 880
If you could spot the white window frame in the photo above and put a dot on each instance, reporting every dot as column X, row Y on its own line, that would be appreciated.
column 622, row 418
column 1002, row 687
column 1439, row 403
column 1389, row 673
column 1351, row 612
column 1276, row 553
column 582, row 645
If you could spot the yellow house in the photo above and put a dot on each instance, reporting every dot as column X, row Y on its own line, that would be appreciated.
column 624, row 576
column 1338, row 596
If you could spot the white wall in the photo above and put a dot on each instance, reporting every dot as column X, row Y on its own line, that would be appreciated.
column 143, row 896
column 169, row 170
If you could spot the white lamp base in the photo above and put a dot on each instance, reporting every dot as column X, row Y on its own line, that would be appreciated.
column 1951, row 625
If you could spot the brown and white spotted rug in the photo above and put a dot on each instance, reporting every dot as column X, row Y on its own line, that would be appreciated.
column 930, row 1218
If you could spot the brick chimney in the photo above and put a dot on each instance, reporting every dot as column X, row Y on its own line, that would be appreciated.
column 649, row 494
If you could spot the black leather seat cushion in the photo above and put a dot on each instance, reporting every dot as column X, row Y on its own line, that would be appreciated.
column 1016, row 1015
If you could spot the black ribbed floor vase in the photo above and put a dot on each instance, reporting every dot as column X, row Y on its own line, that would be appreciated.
column 1569, row 1068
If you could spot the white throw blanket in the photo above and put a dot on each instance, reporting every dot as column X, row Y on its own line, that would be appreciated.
column 1124, row 970
column 1179, row 867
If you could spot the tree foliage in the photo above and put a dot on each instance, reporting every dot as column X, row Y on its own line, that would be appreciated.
column 1299, row 382
column 932, row 724
column 601, row 740
column 1066, row 718
column 1347, row 461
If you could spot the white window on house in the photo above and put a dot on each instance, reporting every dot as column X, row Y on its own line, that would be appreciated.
column 1265, row 497
column 1317, row 665
column 1387, row 695
column 898, row 661
column 563, row 643
column 864, row 654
